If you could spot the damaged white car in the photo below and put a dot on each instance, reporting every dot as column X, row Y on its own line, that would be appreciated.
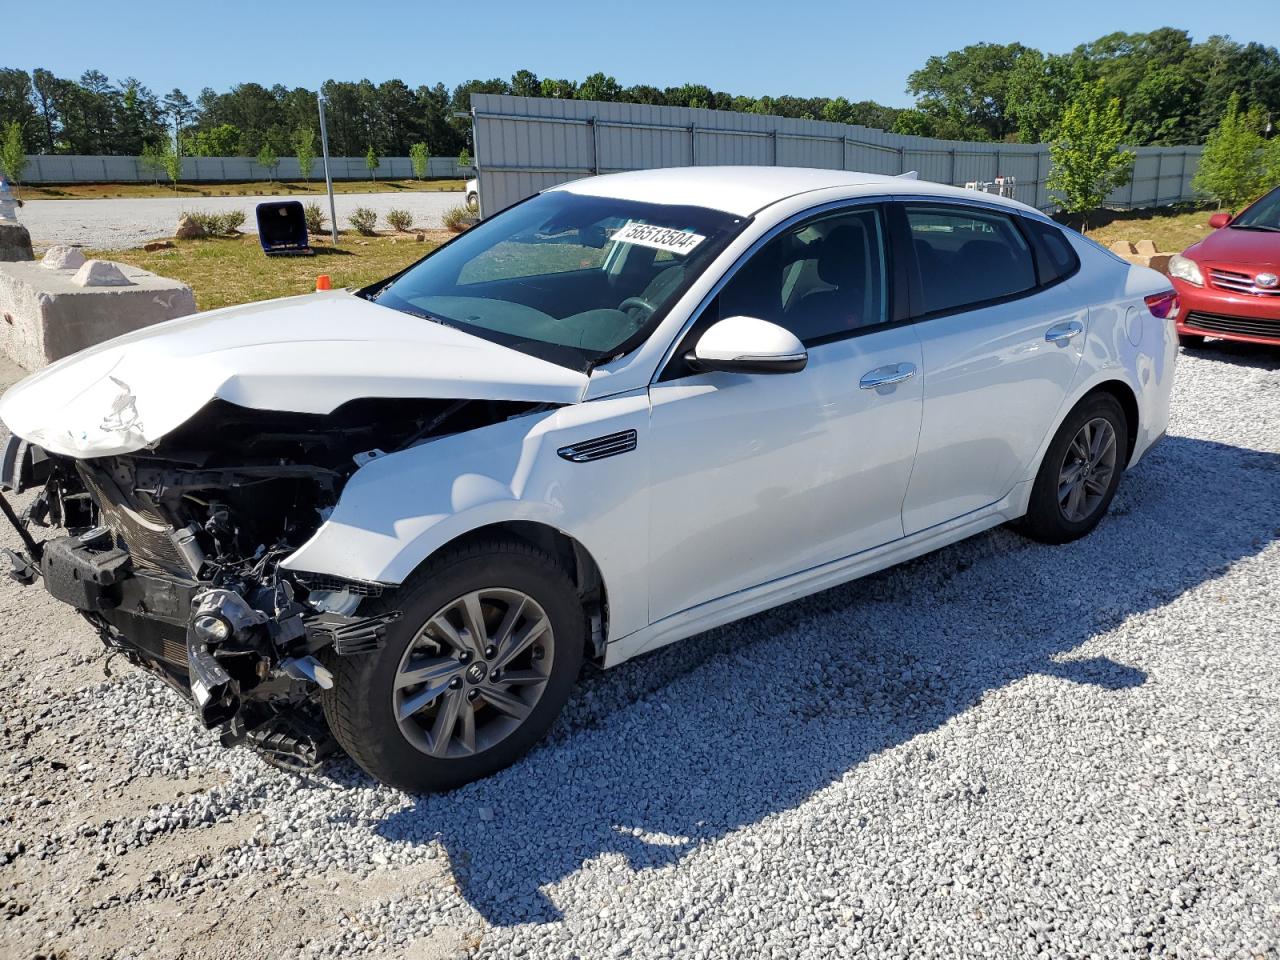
column 615, row 415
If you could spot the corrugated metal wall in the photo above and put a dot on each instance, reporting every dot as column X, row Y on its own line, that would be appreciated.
column 524, row 144
column 80, row 169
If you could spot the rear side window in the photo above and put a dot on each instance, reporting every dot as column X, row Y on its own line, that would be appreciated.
column 1055, row 258
column 968, row 256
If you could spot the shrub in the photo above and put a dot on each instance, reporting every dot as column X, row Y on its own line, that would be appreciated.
column 363, row 220
column 315, row 217
column 457, row 218
column 401, row 220
column 218, row 224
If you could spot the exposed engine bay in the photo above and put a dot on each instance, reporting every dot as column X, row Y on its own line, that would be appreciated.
column 173, row 553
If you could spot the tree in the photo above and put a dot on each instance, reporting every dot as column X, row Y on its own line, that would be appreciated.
column 420, row 157
column 172, row 160
column 268, row 160
column 304, row 148
column 1085, row 156
column 152, row 160
column 13, row 152
column 598, row 86
column 220, row 141
column 371, row 161
column 1039, row 89
column 1232, row 169
column 970, row 88
column 525, row 83
column 464, row 158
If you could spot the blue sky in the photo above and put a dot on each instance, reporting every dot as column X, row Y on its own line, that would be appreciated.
column 856, row 50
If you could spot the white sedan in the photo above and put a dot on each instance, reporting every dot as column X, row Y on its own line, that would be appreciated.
column 617, row 414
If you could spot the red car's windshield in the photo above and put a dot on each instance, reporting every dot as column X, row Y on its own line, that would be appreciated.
column 1263, row 215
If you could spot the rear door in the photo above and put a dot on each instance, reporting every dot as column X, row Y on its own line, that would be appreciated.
column 1001, row 340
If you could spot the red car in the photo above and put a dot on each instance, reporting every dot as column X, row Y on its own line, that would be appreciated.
column 1229, row 283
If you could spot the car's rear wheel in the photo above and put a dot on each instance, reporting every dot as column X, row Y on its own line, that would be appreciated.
column 473, row 202
column 474, row 672
column 1080, row 472
column 1191, row 340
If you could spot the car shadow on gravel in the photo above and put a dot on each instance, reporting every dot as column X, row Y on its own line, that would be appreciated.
column 677, row 749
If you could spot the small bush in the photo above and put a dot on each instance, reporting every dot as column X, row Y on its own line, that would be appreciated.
column 363, row 220
column 218, row 224
column 401, row 220
column 315, row 217
column 457, row 218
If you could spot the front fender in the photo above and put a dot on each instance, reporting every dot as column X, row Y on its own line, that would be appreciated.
column 399, row 509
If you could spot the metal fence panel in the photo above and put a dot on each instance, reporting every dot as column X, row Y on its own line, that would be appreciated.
column 55, row 168
column 525, row 144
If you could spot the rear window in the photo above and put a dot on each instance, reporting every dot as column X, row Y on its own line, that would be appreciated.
column 1055, row 257
column 968, row 256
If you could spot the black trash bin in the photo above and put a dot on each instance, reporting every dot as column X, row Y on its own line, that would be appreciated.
column 282, row 229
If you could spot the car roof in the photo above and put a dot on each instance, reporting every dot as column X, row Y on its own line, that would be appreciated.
column 743, row 190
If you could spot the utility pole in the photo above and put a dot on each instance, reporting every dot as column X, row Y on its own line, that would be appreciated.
column 328, row 180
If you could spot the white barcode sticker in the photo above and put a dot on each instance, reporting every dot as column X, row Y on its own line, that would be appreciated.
column 660, row 238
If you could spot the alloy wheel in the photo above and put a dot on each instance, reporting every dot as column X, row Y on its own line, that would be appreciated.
column 474, row 672
column 1087, row 469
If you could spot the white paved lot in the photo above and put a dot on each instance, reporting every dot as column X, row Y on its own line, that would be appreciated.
column 1002, row 750
column 120, row 224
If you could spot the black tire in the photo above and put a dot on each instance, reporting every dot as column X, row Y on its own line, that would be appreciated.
column 1190, row 341
column 473, row 202
column 361, row 706
column 1047, row 518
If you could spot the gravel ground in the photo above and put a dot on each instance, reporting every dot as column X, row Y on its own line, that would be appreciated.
column 1000, row 750
column 120, row 224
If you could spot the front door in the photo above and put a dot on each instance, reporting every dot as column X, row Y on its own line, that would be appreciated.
column 757, row 476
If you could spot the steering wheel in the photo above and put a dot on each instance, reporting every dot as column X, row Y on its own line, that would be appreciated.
column 648, row 308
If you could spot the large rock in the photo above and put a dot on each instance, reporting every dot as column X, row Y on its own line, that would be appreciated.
column 189, row 228
column 15, row 243
column 46, row 315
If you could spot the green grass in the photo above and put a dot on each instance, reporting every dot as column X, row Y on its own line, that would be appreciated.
column 261, row 188
column 223, row 272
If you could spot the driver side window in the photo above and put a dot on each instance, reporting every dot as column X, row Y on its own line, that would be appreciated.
column 823, row 280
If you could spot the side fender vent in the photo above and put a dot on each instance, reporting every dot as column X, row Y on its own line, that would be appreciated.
column 600, row 447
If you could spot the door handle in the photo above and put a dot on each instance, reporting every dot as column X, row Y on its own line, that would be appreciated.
column 1062, row 332
column 887, row 375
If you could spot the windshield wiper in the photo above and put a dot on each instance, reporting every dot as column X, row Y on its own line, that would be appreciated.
column 1255, row 226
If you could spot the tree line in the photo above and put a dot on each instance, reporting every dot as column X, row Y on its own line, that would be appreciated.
column 1170, row 91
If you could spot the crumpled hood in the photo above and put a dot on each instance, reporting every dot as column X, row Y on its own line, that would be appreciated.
column 307, row 354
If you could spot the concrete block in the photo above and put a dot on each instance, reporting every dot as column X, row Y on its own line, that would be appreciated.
column 1123, row 247
column 1147, row 247
column 15, row 243
column 45, row 315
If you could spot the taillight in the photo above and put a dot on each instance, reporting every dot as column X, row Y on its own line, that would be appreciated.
column 1163, row 305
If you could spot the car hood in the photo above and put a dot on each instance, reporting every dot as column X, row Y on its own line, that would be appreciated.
column 1228, row 245
column 306, row 354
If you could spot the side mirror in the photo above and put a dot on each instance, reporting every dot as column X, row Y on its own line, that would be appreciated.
column 1219, row 220
column 748, row 345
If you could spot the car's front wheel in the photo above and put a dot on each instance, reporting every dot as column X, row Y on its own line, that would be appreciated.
column 485, row 654
column 1080, row 472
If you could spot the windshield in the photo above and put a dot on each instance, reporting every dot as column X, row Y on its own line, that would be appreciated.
column 1263, row 215
column 569, row 278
